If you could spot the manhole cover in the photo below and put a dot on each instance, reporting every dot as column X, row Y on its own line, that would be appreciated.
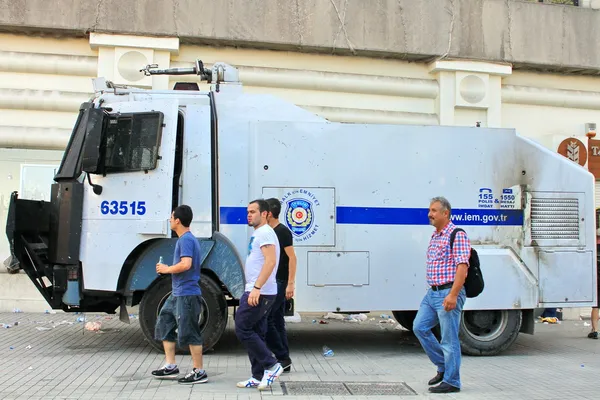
column 346, row 389
column 379, row 389
column 314, row 388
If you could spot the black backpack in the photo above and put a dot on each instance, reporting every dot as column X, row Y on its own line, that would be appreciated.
column 474, row 283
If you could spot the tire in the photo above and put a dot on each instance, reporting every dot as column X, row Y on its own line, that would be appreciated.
column 488, row 332
column 405, row 318
column 213, row 319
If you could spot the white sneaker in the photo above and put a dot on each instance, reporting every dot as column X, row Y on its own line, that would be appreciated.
column 269, row 377
column 250, row 383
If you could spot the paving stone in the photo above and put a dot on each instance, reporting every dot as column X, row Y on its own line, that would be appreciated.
column 66, row 362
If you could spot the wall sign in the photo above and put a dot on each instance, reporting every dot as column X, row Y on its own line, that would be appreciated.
column 594, row 157
column 574, row 150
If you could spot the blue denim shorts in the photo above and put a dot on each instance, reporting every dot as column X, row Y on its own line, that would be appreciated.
column 178, row 321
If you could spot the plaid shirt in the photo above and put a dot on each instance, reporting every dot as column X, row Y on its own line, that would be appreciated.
column 441, row 265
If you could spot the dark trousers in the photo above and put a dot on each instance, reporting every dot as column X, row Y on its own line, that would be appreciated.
column 251, row 329
column 276, row 334
column 549, row 313
column 178, row 321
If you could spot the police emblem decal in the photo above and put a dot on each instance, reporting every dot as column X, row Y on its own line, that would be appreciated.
column 299, row 216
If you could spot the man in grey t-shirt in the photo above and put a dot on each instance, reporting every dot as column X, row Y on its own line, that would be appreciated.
column 256, row 302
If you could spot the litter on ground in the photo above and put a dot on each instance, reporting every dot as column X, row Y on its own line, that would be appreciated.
column 333, row 316
column 550, row 320
column 358, row 317
column 293, row 318
column 93, row 326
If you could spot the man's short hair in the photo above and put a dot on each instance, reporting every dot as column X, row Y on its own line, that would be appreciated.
column 184, row 214
column 262, row 205
column 444, row 202
column 274, row 207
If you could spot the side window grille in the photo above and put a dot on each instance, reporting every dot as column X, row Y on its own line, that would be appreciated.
column 554, row 219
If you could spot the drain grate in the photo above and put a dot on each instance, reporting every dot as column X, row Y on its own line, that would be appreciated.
column 310, row 388
column 379, row 389
column 314, row 388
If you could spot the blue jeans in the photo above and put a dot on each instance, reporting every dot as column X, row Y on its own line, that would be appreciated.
column 276, row 334
column 445, row 355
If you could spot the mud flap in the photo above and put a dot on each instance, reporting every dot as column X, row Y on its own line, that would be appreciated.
column 123, row 314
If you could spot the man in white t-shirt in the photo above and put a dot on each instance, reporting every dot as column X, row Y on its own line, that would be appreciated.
column 256, row 302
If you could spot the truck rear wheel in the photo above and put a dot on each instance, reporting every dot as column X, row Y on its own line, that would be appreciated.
column 488, row 332
column 406, row 319
column 213, row 319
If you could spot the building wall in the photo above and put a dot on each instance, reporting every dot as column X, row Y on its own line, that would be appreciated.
column 550, row 107
column 44, row 80
column 524, row 33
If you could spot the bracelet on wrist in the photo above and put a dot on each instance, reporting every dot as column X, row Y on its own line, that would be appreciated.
column 255, row 287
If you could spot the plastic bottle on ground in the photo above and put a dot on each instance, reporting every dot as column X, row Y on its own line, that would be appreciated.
column 327, row 352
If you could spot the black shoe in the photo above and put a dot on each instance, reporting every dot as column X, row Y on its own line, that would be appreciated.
column 436, row 379
column 593, row 335
column 444, row 388
column 164, row 372
column 194, row 377
column 286, row 364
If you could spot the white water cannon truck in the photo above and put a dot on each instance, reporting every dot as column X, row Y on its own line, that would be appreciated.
column 355, row 197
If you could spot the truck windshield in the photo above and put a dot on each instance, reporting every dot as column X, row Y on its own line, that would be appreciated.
column 132, row 142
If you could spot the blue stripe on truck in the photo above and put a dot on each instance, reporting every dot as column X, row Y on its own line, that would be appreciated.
column 399, row 216
column 233, row 215
column 418, row 216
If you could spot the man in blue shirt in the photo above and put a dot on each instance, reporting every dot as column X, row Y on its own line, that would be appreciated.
column 178, row 319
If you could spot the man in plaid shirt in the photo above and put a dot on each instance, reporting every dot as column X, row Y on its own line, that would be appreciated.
column 443, row 303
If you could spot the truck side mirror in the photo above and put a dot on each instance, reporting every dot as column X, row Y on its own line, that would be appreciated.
column 92, row 147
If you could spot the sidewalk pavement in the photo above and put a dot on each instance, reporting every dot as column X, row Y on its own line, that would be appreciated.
column 48, row 356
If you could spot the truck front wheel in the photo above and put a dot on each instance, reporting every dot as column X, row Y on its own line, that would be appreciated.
column 488, row 332
column 212, row 321
column 405, row 318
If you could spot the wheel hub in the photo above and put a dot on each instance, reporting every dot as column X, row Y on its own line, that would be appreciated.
column 485, row 325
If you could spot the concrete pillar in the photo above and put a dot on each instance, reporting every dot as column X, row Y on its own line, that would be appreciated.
column 470, row 92
column 120, row 58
